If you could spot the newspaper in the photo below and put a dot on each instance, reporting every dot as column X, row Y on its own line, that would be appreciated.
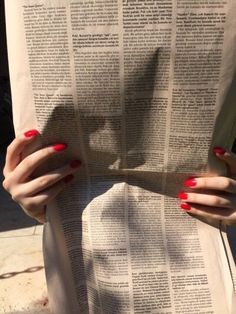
column 141, row 90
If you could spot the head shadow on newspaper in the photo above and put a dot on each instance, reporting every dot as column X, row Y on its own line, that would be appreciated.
column 118, row 198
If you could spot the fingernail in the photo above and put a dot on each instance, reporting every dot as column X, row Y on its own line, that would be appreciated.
column 219, row 151
column 185, row 206
column 75, row 164
column 183, row 195
column 31, row 133
column 190, row 182
column 59, row 147
column 68, row 178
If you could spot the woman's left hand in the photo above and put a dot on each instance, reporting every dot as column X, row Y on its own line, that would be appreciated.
column 218, row 201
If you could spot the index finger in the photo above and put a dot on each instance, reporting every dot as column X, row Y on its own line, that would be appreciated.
column 223, row 184
column 16, row 148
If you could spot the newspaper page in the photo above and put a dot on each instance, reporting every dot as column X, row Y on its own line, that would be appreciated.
column 141, row 90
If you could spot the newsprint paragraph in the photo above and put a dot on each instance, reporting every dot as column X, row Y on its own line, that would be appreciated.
column 141, row 91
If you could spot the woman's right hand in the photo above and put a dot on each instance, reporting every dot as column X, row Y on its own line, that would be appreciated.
column 33, row 195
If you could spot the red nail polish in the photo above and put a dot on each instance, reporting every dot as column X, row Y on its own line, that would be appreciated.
column 68, row 178
column 219, row 150
column 185, row 206
column 190, row 182
column 75, row 164
column 183, row 195
column 31, row 133
column 59, row 147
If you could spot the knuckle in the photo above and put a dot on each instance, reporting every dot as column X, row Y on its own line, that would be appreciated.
column 17, row 196
column 216, row 200
column 5, row 184
column 43, row 182
column 37, row 157
column 193, row 197
column 225, row 183
column 8, row 183
column 28, row 162
column 203, row 182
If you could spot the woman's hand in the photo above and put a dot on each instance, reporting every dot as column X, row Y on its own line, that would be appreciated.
column 218, row 201
column 33, row 195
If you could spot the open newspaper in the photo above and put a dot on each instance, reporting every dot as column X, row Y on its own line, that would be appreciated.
column 141, row 90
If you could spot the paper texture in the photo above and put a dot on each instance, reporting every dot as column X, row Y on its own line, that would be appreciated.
column 141, row 91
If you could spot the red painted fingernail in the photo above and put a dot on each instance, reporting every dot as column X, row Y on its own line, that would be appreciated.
column 183, row 195
column 219, row 150
column 190, row 182
column 31, row 133
column 68, row 178
column 75, row 164
column 59, row 147
column 185, row 206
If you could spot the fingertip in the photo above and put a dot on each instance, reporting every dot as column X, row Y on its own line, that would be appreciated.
column 59, row 147
column 31, row 133
column 219, row 151
column 190, row 182
column 185, row 207
column 226, row 156
column 182, row 195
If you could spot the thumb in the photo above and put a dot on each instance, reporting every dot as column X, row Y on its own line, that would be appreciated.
column 228, row 157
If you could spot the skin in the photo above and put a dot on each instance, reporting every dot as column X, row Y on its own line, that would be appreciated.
column 210, row 197
column 33, row 195
column 215, row 197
